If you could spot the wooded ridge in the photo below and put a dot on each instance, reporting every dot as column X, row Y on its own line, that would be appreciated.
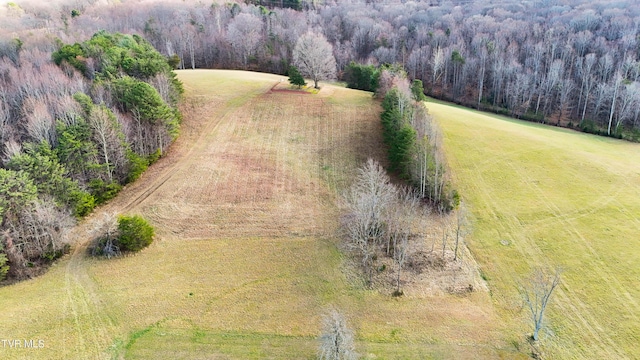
column 567, row 62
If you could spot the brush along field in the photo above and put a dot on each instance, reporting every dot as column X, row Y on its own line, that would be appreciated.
column 544, row 196
column 245, row 260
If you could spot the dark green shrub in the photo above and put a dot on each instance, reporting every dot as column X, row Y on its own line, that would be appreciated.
column 4, row 266
column 103, row 191
column 137, row 165
column 361, row 77
column 51, row 254
column 83, row 202
column 135, row 233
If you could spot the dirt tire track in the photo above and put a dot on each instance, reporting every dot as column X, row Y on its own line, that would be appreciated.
column 96, row 331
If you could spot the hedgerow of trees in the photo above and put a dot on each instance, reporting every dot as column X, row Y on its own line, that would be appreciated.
column 414, row 140
column 76, row 125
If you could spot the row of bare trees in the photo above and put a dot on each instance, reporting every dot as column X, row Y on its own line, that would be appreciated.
column 379, row 218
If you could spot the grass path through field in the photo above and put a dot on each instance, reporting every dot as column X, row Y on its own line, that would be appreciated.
column 559, row 198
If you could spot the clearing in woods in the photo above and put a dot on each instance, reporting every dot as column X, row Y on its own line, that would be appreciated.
column 245, row 260
column 554, row 197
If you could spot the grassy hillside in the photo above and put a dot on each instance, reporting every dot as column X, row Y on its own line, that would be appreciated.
column 557, row 198
column 245, row 261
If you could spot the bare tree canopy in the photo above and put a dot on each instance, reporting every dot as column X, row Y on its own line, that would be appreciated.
column 536, row 293
column 556, row 64
column 366, row 204
column 313, row 56
column 244, row 34
column 336, row 341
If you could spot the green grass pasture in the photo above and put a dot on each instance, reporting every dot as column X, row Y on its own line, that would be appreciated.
column 556, row 198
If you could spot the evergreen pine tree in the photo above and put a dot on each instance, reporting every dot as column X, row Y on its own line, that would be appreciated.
column 295, row 78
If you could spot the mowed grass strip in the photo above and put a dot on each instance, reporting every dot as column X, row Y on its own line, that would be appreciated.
column 557, row 198
column 246, row 259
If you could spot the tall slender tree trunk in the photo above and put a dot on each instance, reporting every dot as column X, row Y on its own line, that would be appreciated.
column 613, row 107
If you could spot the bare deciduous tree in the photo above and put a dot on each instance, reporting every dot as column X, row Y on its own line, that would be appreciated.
column 463, row 227
column 437, row 65
column 109, row 139
column 244, row 33
column 399, row 220
column 11, row 148
column 40, row 231
column 446, row 225
column 4, row 119
column 366, row 204
column 105, row 231
column 313, row 56
column 39, row 122
column 336, row 340
column 536, row 293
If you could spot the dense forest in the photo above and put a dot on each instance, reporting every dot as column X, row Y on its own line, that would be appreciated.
column 84, row 109
column 76, row 125
column 566, row 62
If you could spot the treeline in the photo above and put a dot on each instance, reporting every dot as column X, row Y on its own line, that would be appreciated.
column 414, row 140
column 76, row 124
column 567, row 62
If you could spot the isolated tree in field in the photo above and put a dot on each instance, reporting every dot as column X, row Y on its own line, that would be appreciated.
column 295, row 78
column 366, row 203
column 313, row 56
column 336, row 340
column 536, row 293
